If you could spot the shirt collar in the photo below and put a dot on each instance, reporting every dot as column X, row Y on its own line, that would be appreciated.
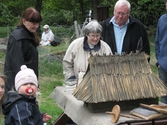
column 114, row 23
column 87, row 48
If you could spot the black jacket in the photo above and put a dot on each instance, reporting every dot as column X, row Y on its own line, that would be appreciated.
column 135, row 31
column 21, row 110
column 21, row 49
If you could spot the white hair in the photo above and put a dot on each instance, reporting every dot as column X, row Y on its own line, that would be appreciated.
column 93, row 27
column 123, row 3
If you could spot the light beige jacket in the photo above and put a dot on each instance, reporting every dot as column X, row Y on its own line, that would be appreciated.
column 76, row 59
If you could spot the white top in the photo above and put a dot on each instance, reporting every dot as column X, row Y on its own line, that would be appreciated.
column 47, row 37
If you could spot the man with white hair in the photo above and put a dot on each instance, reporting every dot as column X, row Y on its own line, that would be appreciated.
column 47, row 36
column 123, row 33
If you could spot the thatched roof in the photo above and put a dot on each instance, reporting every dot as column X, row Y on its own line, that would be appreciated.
column 119, row 78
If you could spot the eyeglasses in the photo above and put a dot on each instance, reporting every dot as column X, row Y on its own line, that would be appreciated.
column 121, row 14
column 94, row 36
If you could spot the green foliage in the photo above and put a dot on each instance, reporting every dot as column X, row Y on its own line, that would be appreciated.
column 11, row 10
column 64, row 11
column 5, row 31
column 52, row 17
column 68, row 16
column 19, row 6
column 77, row 12
column 152, row 54
column 67, row 11
column 147, row 11
column 6, row 16
column 63, row 31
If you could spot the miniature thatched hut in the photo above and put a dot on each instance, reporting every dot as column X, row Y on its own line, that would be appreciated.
column 126, row 80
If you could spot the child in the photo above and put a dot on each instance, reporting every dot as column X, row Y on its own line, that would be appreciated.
column 2, row 90
column 2, row 86
column 20, row 107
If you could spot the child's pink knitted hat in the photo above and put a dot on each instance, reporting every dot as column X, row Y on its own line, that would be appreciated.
column 25, row 75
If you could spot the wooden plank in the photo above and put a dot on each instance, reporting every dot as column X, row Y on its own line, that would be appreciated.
column 63, row 119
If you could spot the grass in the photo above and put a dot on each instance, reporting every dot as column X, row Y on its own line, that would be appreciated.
column 47, row 104
column 49, row 79
column 152, row 55
column 5, row 31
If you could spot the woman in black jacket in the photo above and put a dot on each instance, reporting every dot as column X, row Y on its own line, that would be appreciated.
column 22, row 46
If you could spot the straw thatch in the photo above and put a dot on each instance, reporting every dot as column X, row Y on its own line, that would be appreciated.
column 119, row 78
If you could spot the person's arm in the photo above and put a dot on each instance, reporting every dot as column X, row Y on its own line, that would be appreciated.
column 68, row 65
column 46, row 117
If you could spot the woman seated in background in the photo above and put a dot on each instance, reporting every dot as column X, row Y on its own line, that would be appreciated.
column 76, row 58
column 47, row 36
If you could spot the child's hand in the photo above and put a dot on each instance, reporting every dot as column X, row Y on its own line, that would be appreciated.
column 46, row 117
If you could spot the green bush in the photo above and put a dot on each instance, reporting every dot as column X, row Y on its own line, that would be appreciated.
column 7, row 19
column 147, row 11
column 54, row 18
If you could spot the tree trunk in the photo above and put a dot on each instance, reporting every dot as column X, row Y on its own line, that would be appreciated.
column 82, row 9
column 95, row 3
column 38, row 6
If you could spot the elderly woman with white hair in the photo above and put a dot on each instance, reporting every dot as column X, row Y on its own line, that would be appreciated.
column 76, row 58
